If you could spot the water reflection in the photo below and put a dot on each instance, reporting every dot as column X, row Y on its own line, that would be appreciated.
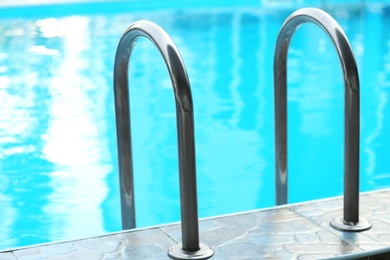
column 376, row 100
column 75, row 138
column 53, row 132
column 23, row 171
column 228, row 122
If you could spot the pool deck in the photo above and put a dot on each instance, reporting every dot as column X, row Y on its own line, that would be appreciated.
column 299, row 231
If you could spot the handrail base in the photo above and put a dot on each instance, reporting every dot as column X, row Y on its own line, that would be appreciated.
column 177, row 252
column 340, row 224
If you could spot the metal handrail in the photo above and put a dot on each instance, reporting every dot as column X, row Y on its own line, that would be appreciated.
column 350, row 220
column 190, row 248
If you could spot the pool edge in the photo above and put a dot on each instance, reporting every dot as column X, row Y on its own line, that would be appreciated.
column 294, row 230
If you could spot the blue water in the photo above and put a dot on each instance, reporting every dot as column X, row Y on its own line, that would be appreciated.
column 58, row 171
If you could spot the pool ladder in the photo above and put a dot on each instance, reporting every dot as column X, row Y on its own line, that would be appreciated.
column 350, row 221
column 190, row 248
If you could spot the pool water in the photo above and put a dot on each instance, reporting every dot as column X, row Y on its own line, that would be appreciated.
column 58, row 170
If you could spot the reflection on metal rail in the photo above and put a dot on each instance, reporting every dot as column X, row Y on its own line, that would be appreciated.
column 190, row 248
column 350, row 221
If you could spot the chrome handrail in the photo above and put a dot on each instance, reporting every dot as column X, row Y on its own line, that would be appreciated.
column 190, row 248
column 350, row 220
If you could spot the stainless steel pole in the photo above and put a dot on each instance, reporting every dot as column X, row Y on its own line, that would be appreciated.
column 190, row 246
column 350, row 220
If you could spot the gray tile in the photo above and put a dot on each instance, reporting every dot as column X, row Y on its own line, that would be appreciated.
column 144, row 244
column 291, row 232
column 242, row 251
column 58, row 249
column 375, row 207
column 30, row 254
column 7, row 256
column 269, row 234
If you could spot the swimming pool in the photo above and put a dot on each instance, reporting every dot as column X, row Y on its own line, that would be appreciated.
column 58, row 143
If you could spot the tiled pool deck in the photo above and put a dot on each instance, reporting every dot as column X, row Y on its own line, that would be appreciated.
column 298, row 231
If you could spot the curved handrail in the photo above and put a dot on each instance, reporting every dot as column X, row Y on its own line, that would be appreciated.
column 185, row 129
column 350, row 221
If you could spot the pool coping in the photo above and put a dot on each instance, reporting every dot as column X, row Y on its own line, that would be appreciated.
column 299, row 231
